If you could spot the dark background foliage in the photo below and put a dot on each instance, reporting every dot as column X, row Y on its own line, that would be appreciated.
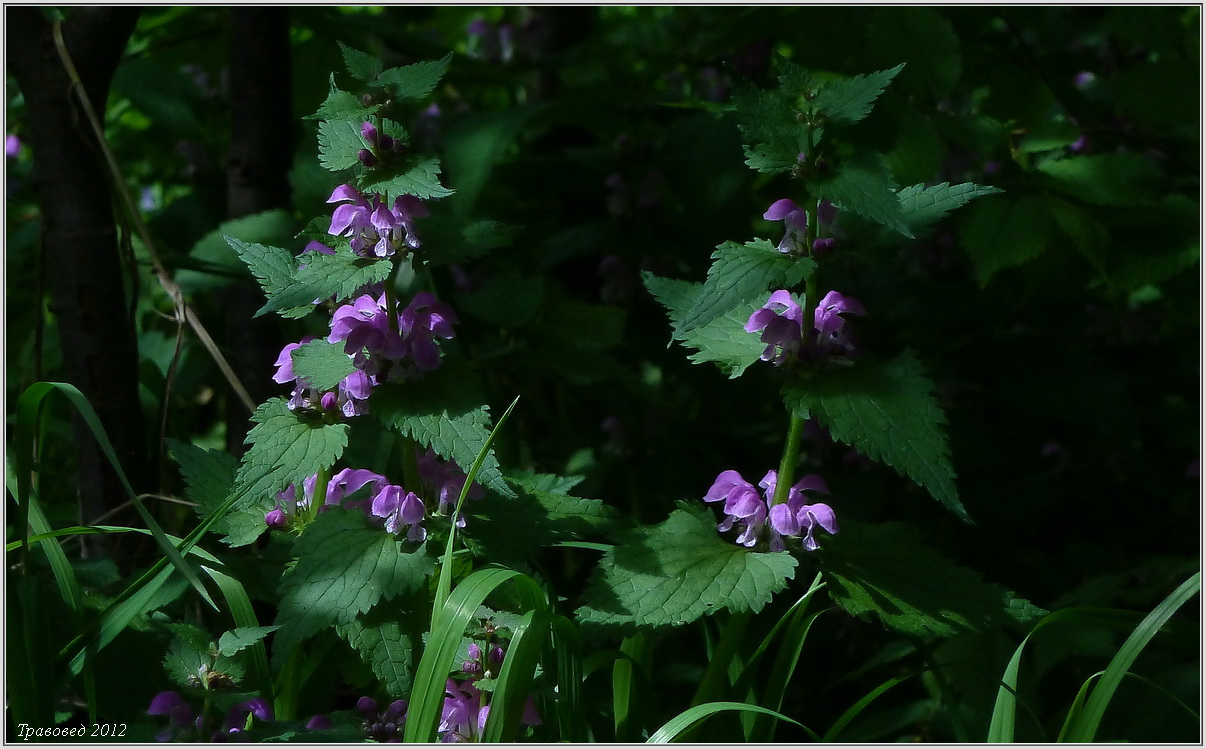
column 1060, row 319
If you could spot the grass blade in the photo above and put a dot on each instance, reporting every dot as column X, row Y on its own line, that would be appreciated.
column 784, row 666
column 515, row 678
column 1084, row 725
column 844, row 719
column 693, row 715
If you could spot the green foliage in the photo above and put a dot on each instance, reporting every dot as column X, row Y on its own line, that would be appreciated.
column 321, row 364
column 344, row 567
column 886, row 411
column 773, row 136
column 741, row 274
column 863, row 184
column 1118, row 180
column 360, row 65
column 272, row 267
column 847, row 101
column 285, row 448
column 418, row 176
column 242, row 637
column 923, row 206
column 382, row 644
column 677, row 571
column 341, row 105
column 887, row 571
column 208, row 474
column 339, row 144
column 413, row 81
column 322, row 277
column 442, row 410
column 723, row 340
column 1003, row 232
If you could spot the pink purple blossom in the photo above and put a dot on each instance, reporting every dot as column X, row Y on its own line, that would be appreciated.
column 759, row 520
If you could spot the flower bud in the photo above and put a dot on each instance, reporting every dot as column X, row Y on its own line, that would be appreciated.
column 367, row 100
column 367, row 706
column 369, row 132
column 367, row 158
column 385, row 143
column 823, row 244
column 275, row 519
column 329, row 401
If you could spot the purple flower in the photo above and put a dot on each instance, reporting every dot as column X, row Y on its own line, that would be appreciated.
column 258, row 707
column 363, row 326
column 424, row 320
column 829, row 322
column 384, row 726
column 348, row 481
column 373, row 229
column 173, row 705
column 445, row 480
column 781, row 321
column 758, row 518
column 400, row 508
column 12, row 146
column 795, row 220
column 318, row 723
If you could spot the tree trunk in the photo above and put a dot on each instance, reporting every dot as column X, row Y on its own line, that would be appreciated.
column 79, row 238
column 261, row 153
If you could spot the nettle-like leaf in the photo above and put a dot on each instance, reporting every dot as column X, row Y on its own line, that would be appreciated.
column 924, row 206
column 325, row 276
column 242, row 637
column 677, row 571
column 741, row 274
column 382, row 645
column 773, row 137
column 361, row 65
column 723, row 341
column 1001, row 233
column 443, row 410
column 284, row 449
column 1121, row 180
column 209, row 476
column 863, row 184
column 339, row 144
column 886, row 411
column 845, row 102
column 413, row 81
column 544, row 482
column 418, row 176
column 272, row 267
column 886, row 571
column 322, row 364
column 342, row 105
column 344, row 567
column 514, row 529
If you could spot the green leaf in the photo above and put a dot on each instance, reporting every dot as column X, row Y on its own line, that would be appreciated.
column 863, row 184
column 339, row 144
column 242, row 637
column 543, row 482
column 322, row 364
column 512, row 530
column 1122, row 180
column 887, row 571
column 284, row 449
column 361, row 65
column 923, row 206
column 741, row 274
column 418, row 176
column 342, row 105
column 692, row 716
column 208, row 474
column 773, row 137
column 679, row 570
column 847, row 101
column 213, row 261
column 442, row 410
column 382, row 645
column 344, row 567
column 273, row 267
column 413, row 81
column 886, row 411
column 324, row 276
column 724, row 340
column 1001, row 233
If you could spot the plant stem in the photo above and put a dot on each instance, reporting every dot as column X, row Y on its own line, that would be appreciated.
column 410, row 467
column 320, row 492
column 787, row 467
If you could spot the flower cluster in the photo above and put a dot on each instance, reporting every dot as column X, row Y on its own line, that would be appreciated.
column 781, row 323
column 373, row 229
column 382, row 725
column 760, row 519
column 463, row 717
column 796, row 220
column 350, row 396
column 183, row 725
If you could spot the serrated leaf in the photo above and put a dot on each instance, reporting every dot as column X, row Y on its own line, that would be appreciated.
column 418, row 176
column 723, row 341
column 515, row 529
column 886, row 571
column 1120, row 180
column 886, row 411
column 284, row 449
column 863, row 184
column 339, row 144
column 1001, row 233
column 443, row 410
column 208, row 474
column 543, row 482
column 345, row 566
column 768, row 159
column 343, row 105
column 741, row 274
column 361, row 65
column 272, row 267
column 771, row 134
column 413, row 81
column 848, row 101
column 679, row 570
column 795, row 80
column 323, row 277
column 383, row 646
column 242, row 637
column 321, row 364
column 924, row 206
